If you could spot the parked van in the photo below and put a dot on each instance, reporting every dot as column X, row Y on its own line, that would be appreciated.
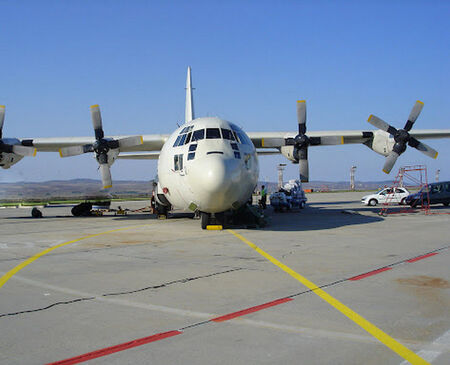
column 439, row 193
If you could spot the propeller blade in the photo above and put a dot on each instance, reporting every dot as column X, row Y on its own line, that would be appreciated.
column 75, row 150
column 106, row 175
column 301, row 116
column 381, row 124
column 417, row 108
column 303, row 164
column 97, row 121
column 422, row 147
column 329, row 140
column 2, row 119
column 24, row 150
column 130, row 141
column 390, row 162
column 304, row 170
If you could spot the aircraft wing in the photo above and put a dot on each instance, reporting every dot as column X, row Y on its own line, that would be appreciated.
column 139, row 156
column 277, row 139
column 151, row 142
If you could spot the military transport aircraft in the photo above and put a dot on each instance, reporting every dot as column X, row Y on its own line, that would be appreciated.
column 210, row 165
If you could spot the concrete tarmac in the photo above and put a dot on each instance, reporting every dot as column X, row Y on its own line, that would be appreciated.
column 151, row 277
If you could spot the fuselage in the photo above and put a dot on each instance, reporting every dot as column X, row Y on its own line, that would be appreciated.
column 208, row 165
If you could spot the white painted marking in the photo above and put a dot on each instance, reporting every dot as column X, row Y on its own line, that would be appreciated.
column 3, row 245
column 429, row 353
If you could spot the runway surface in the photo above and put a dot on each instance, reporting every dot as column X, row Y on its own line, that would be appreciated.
column 335, row 283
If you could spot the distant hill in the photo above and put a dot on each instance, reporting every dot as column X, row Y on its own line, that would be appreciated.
column 87, row 188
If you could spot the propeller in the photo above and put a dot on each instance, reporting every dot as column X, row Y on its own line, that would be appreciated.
column 102, row 147
column 17, row 147
column 301, row 141
column 402, row 137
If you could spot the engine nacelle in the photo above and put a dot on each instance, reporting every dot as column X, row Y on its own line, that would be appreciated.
column 9, row 159
column 382, row 143
column 288, row 152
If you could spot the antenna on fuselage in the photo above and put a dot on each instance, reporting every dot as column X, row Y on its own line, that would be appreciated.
column 189, row 113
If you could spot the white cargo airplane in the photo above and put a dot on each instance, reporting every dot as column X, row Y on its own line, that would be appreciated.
column 209, row 165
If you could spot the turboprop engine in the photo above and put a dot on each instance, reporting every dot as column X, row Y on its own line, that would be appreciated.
column 381, row 143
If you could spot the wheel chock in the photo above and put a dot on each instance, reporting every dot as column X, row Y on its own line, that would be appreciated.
column 214, row 227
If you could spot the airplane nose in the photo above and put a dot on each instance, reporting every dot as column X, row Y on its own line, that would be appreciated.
column 215, row 183
column 214, row 176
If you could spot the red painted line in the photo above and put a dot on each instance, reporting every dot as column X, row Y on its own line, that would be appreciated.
column 116, row 348
column 422, row 257
column 257, row 308
column 370, row 273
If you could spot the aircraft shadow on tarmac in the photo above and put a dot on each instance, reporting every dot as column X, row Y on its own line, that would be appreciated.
column 316, row 218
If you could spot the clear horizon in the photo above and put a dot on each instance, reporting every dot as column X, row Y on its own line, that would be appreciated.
column 250, row 61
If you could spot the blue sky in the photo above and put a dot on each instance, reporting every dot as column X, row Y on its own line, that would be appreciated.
column 251, row 61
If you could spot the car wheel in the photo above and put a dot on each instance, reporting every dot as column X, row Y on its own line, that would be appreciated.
column 403, row 201
column 446, row 204
column 373, row 202
column 302, row 205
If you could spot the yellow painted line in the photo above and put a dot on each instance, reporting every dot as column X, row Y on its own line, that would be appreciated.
column 107, row 187
column 384, row 338
column 262, row 142
column 60, row 153
column 142, row 140
column 342, row 140
column 214, row 227
column 19, row 267
column 435, row 156
column 34, row 152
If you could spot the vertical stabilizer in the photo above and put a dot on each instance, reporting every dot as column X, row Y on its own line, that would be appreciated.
column 189, row 114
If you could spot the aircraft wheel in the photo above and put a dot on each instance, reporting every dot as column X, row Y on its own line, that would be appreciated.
column 204, row 219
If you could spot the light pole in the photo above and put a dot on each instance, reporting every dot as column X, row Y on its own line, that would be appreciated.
column 352, row 177
column 280, row 169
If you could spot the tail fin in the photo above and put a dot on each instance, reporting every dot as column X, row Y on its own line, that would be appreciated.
column 189, row 113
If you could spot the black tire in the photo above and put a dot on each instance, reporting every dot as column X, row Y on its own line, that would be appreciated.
column 373, row 202
column 204, row 219
column 403, row 201
column 302, row 205
column 446, row 204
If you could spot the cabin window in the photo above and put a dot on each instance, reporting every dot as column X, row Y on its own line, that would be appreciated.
column 198, row 135
column 191, row 156
column 212, row 133
column 226, row 133
column 193, row 147
column 177, row 141
column 237, row 154
column 234, row 146
column 178, row 162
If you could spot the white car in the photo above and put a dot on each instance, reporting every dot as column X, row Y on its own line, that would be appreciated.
column 386, row 196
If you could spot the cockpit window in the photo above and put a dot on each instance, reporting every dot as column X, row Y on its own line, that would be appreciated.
column 212, row 133
column 198, row 135
column 183, row 138
column 188, row 138
column 226, row 133
column 177, row 141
